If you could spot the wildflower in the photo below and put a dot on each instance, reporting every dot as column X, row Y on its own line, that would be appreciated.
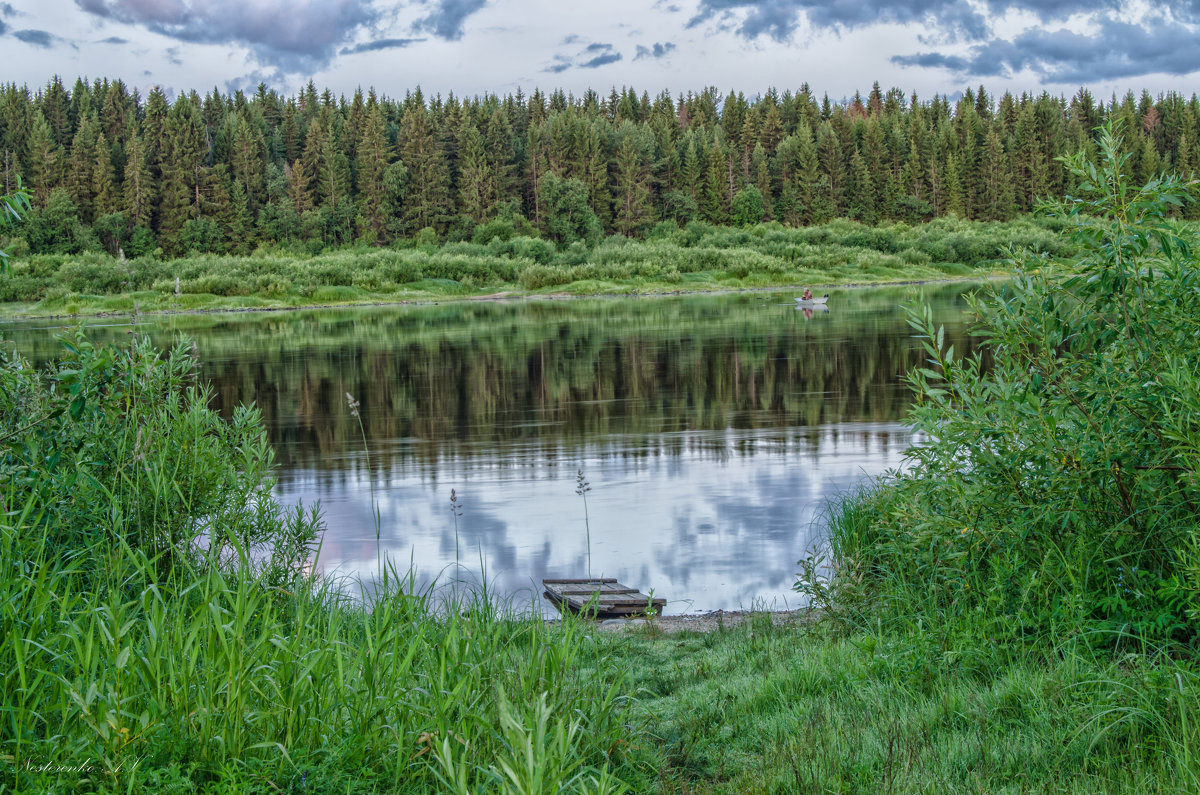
column 354, row 404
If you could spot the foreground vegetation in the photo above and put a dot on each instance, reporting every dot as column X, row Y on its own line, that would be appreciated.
column 160, row 631
column 696, row 257
column 1015, row 612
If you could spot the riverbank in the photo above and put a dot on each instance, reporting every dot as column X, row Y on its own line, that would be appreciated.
column 699, row 258
column 135, row 662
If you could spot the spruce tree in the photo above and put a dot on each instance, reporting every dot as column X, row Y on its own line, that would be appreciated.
column 373, row 155
column 427, row 175
column 104, row 190
column 631, row 181
column 714, row 196
column 42, row 167
column 138, row 189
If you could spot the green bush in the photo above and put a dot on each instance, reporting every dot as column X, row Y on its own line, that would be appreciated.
column 536, row 277
column 1055, row 493
column 21, row 287
column 98, row 445
column 96, row 276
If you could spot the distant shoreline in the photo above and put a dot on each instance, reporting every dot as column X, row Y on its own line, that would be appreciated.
column 504, row 296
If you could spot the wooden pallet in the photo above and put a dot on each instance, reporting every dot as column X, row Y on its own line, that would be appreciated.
column 600, row 597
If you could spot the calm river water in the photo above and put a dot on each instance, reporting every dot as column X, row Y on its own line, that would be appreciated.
column 713, row 430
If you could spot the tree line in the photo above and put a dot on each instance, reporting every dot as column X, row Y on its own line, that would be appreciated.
column 226, row 173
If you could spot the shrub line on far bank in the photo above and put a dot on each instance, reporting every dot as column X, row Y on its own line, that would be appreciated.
column 698, row 257
column 506, row 296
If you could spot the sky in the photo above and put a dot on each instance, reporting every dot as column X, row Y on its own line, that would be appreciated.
column 474, row 47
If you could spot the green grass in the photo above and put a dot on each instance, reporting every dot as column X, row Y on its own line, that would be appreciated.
column 697, row 257
column 815, row 708
column 216, row 681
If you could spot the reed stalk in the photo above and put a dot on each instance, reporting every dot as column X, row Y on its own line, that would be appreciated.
column 582, row 487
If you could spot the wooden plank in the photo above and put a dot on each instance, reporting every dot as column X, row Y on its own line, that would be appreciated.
column 600, row 597
column 605, row 591
column 578, row 580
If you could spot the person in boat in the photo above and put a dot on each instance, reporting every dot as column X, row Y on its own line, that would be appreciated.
column 807, row 295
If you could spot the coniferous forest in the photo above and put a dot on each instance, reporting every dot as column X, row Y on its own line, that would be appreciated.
column 227, row 173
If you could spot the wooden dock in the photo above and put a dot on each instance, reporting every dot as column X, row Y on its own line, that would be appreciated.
column 600, row 597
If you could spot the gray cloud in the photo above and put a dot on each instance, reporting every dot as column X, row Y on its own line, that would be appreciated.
column 3, row 28
column 932, row 59
column 593, row 56
column 561, row 64
column 1164, row 40
column 779, row 19
column 659, row 50
column 601, row 54
column 446, row 19
column 249, row 82
column 35, row 38
column 293, row 34
column 1117, row 50
column 114, row 40
column 6, row 10
column 380, row 44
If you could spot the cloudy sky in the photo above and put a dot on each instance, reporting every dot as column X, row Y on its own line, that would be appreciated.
column 476, row 46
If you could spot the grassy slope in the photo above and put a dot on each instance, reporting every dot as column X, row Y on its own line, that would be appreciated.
column 763, row 708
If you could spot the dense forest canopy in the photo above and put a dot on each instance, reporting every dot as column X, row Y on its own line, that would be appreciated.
column 226, row 173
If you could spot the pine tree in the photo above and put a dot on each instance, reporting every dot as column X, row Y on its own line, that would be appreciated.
column 772, row 130
column 829, row 193
column 476, row 195
column 759, row 165
column 996, row 195
column 56, row 107
column 41, row 170
column 80, row 166
column 861, row 203
column 138, row 189
column 591, row 158
column 187, row 182
column 692, row 169
column 373, row 157
column 952, row 200
column 246, row 161
column 503, row 157
column 427, row 175
column 104, row 191
column 789, row 207
column 239, row 226
column 714, row 197
column 631, row 181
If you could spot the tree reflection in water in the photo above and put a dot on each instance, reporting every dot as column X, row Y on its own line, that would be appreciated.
column 713, row 428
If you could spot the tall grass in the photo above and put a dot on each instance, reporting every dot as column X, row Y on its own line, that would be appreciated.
column 160, row 631
column 214, row 676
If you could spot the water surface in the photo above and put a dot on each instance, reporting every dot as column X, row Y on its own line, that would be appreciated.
column 713, row 431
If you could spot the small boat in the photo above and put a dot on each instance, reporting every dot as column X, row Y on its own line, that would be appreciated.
column 816, row 300
column 600, row 597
